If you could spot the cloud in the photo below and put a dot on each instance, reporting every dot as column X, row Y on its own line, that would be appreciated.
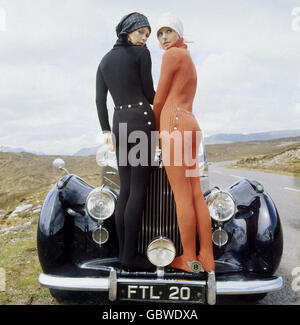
column 246, row 55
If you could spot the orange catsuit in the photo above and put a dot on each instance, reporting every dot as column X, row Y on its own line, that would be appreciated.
column 173, row 112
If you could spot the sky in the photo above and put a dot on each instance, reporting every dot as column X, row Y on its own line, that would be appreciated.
column 247, row 56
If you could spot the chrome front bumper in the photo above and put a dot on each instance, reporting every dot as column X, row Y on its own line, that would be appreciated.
column 109, row 284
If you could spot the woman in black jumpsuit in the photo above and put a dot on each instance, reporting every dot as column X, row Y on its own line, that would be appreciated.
column 125, row 72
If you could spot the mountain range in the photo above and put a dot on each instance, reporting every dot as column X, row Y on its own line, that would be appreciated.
column 213, row 139
column 88, row 151
column 10, row 149
column 18, row 150
column 260, row 136
column 221, row 138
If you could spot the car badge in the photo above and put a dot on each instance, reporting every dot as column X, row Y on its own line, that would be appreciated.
column 195, row 266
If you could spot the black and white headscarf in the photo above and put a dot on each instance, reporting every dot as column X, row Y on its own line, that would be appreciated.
column 130, row 23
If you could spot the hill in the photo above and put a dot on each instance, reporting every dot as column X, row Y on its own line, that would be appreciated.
column 85, row 152
column 17, row 150
column 287, row 161
column 221, row 138
column 240, row 150
column 24, row 173
column 260, row 136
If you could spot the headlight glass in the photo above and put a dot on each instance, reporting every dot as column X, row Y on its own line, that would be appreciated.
column 221, row 206
column 100, row 204
column 161, row 251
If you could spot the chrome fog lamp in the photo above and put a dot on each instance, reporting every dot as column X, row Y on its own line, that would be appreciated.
column 161, row 251
column 100, row 235
column 220, row 237
column 100, row 204
column 221, row 206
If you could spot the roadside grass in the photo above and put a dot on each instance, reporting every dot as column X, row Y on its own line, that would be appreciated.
column 286, row 162
column 249, row 150
column 18, row 257
column 279, row 169
column 18, row 253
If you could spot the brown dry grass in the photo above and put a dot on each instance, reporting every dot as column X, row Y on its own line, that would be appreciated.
column 286, row 161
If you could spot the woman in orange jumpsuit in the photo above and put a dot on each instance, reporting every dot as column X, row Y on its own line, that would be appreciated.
column 173, row 112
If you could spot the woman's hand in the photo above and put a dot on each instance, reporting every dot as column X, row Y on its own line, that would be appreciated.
column 108, row 141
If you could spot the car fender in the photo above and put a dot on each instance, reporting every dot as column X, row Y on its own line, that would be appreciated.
column 65, row 229
column 255, row 233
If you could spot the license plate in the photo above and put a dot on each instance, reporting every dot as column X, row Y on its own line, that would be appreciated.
column 162, row 292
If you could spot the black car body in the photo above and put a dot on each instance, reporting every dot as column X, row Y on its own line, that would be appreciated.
column 79, row 253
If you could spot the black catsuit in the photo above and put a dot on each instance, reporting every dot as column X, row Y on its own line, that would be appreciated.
column 125, row 72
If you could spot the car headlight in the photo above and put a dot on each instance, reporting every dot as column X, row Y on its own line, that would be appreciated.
column 100, row 204
column 221, row 206
column 161, row 251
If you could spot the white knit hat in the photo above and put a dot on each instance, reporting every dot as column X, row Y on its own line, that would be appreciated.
column 169, row 20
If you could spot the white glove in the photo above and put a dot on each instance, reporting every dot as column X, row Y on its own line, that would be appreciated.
column 108, row 141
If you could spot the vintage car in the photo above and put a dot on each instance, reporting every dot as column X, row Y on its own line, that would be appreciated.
column 78, row 246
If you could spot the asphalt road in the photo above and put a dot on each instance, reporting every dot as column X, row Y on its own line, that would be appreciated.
column 285, row 192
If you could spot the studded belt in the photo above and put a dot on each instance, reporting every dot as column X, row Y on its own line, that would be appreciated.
column 139, row 105
column 118, row 108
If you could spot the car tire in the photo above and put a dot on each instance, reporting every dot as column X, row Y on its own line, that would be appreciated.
column 253, row 297
column 64, row 296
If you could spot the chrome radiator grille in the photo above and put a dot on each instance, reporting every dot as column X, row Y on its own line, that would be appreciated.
column 159, row 216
